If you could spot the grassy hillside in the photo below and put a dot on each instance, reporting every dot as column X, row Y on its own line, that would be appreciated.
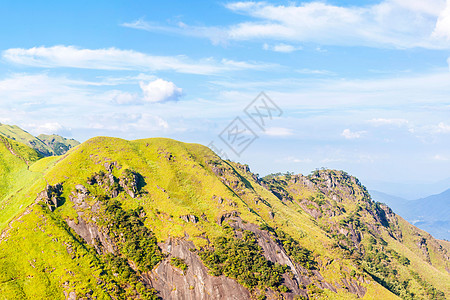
column 101, row 208
column 46, row 145
column 58, row 144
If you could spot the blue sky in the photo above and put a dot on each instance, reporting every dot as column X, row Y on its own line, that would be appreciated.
column 363, row 87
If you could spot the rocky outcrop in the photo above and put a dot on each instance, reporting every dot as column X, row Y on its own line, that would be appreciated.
column 86, row 227
column 51, row 196
column 129, row 183
column 353, row 287
column 93, row 235
column 275, row 253
column 189, row 218
column 171, row 283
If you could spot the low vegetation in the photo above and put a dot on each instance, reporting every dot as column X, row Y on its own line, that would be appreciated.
column 243, row 260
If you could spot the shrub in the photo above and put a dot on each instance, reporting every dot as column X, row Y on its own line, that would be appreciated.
column 179, row 263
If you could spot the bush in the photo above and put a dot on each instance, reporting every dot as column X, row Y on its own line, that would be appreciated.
column 179, row 263
column 135, row 241
column 243, row 260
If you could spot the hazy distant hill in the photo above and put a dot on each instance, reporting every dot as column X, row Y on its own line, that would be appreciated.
column 46, row 145
column 158, row 218
column 431, row 213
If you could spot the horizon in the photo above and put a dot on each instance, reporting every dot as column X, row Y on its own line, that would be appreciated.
column 358, row 90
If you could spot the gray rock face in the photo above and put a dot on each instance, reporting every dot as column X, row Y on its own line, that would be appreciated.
column 88, row 229
column 93, row 235
column 353, row 287
column 129, row 184
column 274, row 252
column 50, row 196
column 189, row 218
column 197, row 283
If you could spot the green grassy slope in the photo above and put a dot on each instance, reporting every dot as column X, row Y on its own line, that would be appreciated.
column 46, row 145
column 21, row 177
column 43, row 257
column 58, row 144
column 18, row 134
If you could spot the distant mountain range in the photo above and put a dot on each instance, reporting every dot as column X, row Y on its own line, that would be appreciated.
column 431, row 213
column 46, row 145
column 409, row 190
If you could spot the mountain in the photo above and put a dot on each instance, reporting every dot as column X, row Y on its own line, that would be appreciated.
column 58, row 144
column 394, row 202
column 410, row 190
column 46, row 145
column 158, row 218
column 431, row 213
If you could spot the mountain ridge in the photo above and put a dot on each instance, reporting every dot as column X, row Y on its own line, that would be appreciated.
column 46, row 145
column 311, row 234
column 429, row 213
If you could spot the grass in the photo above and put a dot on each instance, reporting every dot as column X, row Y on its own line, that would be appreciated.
column 178, row 180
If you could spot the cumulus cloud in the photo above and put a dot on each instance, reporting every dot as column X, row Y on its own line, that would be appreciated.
column 117, row 59
column 160, row 90
column 350, row 135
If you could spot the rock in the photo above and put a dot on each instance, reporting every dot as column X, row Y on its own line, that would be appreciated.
column 51, row 196
column 227, row 216
column 189, row 218
column 81, row 188
column 130, row 183
column 93, row 235
column 197, row 283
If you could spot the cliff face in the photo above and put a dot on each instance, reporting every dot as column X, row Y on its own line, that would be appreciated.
column 196, row 282
column 157, row 218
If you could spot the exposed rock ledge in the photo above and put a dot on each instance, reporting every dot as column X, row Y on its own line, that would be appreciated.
column 197, row 283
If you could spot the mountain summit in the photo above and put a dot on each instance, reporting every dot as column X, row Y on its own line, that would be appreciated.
column 46, row 145
column 158, row 218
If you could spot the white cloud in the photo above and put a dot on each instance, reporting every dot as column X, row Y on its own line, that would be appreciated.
column 278, row 131
column 314, row 72
column 49, row 128
column 393, row 121
column 44, row 128
column 292, row 159
column 126, row 122
column 388, row 24
column 121, row 97
column 391, row 23
column 283, row 48
column 442, row 29
column 117, row 59
column 350, row 135
column 442, row 128
column 440, row 157
column 160, row 90
column 138, row 24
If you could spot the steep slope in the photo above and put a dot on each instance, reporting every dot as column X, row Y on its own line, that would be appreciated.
column 46, row 145
column 58, row 144
column 396, row 203
column 140, row 219
column 21, row 168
